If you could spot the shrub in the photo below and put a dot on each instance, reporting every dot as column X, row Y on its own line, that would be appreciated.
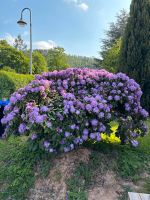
column 61, row 110
column 10, row 82
column 13, row 58
column 8, row 69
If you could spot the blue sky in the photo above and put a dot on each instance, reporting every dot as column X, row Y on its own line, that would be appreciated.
column 76, row 25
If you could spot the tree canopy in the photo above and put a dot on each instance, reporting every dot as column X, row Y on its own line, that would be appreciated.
column 19, row 44
column 56, row 59
column 115, row 31
column 80, row 61
column 39, row 63
column 13, row 58
column 111, row 57
column 135, row 50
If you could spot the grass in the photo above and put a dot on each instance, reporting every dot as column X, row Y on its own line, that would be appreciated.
column 18, row 166
column 128, row 163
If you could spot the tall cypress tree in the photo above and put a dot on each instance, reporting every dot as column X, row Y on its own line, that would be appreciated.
column 135, row 50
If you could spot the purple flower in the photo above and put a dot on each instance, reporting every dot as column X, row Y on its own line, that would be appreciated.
column 73, row 126
column 22, row 128
column 46, row 144
column 49, row 124
column 51, row 150
column 42, row 88
column 80, row 141
column 18, row 96
column 78, row 112
column 94, row 103
column 72, row 109
column 101, row 106
column 108, row 116
column 110, row 98
column 84, row 137
column 44, row 109
column 127, row 107
column 33, row 136
column 39, row 119
column 73, row 83
column 70, row 103
column 92, row 135
column 144, row 113
column 62, row 142
column 98, row 137
column 71, row 146
column 101, row 115
column 134, row 143
column 76, row 140
column 88, row 107
column 117, row 98
column 94, row 122
column 102, row 128
column 85, row 131
column 120, row 84
column 13, row 100
column 59, row 130
column 66, row 149
column 96, row 110
column 133, row 134
column 67, row 134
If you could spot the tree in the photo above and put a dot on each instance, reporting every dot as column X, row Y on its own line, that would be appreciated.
column 115, row 31
column 135, row 50
column 4, row 43
column 111, row 58
column 80, row 61
column 39, row 62
column 56, row 59
column 97, row 63
column 19, row 44
column 9, row 56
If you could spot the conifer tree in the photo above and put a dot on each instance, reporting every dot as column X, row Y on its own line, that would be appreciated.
column 135, row 50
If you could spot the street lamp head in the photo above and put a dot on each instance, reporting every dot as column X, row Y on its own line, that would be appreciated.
column 21, row 23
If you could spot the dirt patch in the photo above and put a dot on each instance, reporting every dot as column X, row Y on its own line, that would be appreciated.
column 105, row 185
column 54, row 186
column 108, row 191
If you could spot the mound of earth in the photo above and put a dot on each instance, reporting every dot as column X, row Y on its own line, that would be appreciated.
column 107, row 186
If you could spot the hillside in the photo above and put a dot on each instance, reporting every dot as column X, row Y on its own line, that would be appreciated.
column 94, row 171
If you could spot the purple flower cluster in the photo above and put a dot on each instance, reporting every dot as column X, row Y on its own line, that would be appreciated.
column 63, row 109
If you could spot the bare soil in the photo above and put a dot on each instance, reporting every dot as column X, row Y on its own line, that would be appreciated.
column 107, row 185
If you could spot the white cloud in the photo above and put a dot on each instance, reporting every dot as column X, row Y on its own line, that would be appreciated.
column 78, row 3
column 36, row 45
column 9, row 38
column 83, row 6
column 44, row 44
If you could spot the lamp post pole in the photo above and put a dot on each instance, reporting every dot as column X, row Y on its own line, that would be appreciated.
column 21, row 22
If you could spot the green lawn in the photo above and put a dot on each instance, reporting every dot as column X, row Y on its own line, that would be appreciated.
column 145, row 142
column 18, row 164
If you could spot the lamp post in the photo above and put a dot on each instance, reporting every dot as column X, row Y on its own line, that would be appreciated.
column 22, row 23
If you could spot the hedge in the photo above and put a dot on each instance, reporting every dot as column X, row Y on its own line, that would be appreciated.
column 10, row 82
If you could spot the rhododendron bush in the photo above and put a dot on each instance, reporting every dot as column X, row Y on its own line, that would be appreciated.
column 62, row 109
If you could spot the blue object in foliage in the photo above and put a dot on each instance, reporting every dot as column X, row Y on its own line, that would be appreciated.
column 4, row 102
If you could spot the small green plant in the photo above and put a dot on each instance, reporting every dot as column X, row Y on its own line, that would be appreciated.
column 130, row 163
column 17, row 168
